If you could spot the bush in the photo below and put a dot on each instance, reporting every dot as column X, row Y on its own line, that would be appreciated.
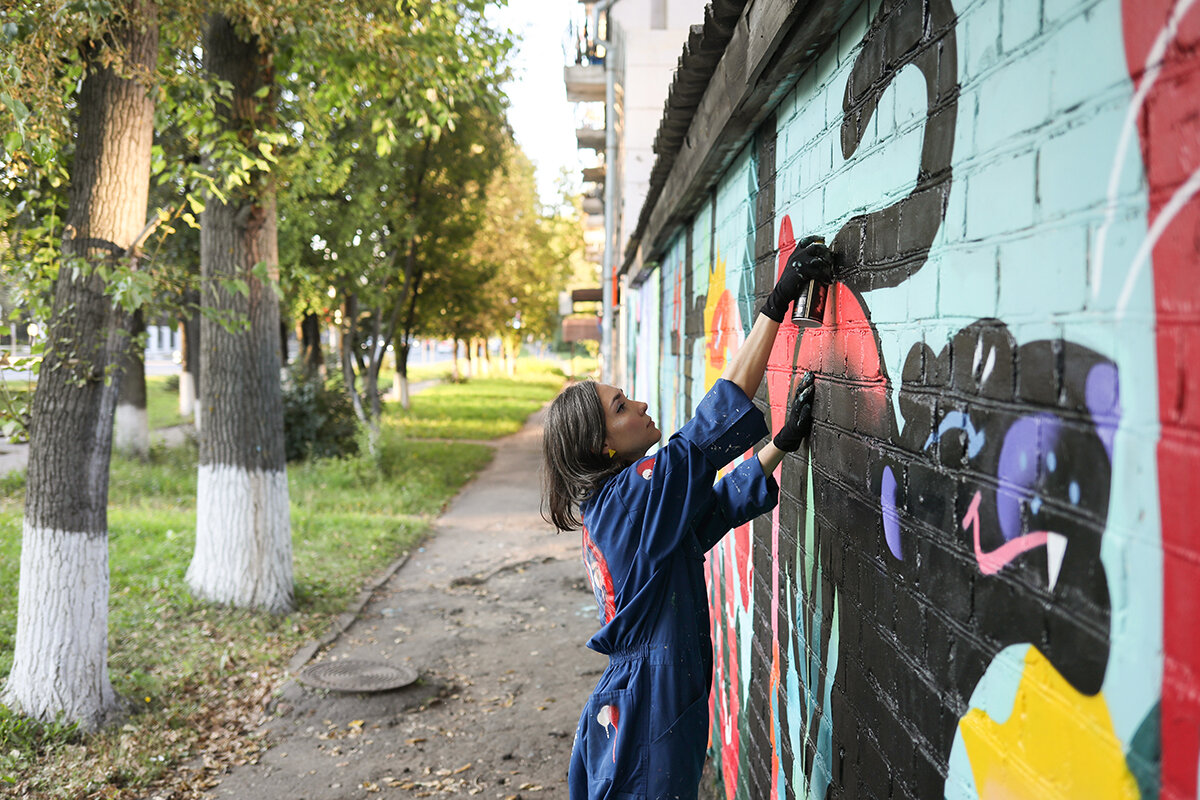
column 318, row 419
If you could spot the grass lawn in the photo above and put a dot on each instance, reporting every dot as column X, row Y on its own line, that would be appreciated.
column 162, row 401
column 187, row 670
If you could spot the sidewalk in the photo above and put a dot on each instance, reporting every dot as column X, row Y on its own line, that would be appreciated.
column 493, row 613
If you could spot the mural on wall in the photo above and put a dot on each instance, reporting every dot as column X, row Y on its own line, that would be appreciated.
column 931, row 610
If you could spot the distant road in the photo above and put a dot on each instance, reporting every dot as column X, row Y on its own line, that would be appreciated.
column 159, row 366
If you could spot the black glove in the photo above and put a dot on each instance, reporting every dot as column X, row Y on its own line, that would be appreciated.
column 811, row 259
column 799, row 420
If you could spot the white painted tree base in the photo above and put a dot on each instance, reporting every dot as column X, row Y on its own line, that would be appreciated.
column 131, row 431
column 243, row 555
column 187, row 395
column 60, row 658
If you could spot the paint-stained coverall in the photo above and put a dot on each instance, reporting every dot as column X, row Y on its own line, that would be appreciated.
column 644, row 731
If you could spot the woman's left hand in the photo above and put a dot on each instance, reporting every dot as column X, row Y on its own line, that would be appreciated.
column 798, row 424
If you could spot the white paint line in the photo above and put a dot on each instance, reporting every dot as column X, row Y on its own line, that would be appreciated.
column 1164, row 218
column 1152, row 68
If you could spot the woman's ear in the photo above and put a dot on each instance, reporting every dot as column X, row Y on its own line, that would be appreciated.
column 608, row 451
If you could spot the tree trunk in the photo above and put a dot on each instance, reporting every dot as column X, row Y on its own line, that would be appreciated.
column 350, row 377
column 61, row 650
column 243, row 554
column 131, row 430
column 510, row 350
column 283, row 342
column 374, row 363
column 455, row 374
column 479, row 347
column 401, row 380
column 189, row 376
column 310, row 344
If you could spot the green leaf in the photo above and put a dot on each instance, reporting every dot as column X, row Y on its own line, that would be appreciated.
column 19, row 110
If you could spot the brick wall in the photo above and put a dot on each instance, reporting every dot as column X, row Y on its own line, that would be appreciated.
column 980, row 579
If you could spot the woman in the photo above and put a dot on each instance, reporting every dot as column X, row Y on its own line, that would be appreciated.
column 647, row 522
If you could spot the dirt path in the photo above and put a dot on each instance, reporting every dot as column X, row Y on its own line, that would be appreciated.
column 492, row 612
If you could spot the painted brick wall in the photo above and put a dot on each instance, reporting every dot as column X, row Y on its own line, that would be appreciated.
column 981, row 579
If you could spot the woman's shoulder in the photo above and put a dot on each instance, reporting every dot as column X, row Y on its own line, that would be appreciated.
column 623, row 489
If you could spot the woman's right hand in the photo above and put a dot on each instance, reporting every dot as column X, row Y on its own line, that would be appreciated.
column 810, row 260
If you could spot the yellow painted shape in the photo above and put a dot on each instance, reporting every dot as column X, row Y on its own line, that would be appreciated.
column 1057, row 743
column 724, row 342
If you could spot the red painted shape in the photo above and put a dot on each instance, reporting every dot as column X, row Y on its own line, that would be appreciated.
column 745, row 565
column 614, row 714
column 724, row 726
column 844, row 347
column 646, row 467
column 731, row 739
column 600, row 577
column 1169, row 130
column 722, row 338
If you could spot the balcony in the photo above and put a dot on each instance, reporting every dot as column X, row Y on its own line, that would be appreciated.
column 585, row 83
column 581, row 329
column 590, row 138
column 594, row 174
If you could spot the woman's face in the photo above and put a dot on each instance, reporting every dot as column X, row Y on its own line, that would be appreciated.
column 630, row 430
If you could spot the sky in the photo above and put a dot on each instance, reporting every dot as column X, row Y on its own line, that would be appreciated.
column 542, row 119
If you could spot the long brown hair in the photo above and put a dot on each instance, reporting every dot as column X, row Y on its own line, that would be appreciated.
column 575, row 464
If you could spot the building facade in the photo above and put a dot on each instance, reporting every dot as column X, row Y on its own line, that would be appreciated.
column 981, row 575
column 625, row 55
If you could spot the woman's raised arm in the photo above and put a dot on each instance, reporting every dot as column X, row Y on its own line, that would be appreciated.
column 748, row 364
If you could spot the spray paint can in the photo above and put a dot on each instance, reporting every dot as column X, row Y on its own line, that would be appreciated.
column 809, row 310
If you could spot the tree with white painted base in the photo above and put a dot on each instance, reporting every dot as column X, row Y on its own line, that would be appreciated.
column 131, row 429
column 61, row 649
column 243, row 554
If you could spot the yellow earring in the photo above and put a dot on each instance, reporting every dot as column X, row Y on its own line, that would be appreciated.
column 611, row 452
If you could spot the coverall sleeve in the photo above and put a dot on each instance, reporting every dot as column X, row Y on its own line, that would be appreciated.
column 742, row 495
column 726, row 424
column 677, row 482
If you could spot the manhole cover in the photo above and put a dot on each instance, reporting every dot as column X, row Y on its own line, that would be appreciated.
column 357, row 675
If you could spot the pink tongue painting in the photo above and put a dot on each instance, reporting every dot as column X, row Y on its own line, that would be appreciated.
column 993, row 561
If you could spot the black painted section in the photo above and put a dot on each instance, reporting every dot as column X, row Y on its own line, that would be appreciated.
column 884, row 248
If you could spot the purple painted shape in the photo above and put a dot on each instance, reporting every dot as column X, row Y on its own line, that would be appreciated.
column 891, row 517
column 1103, row 395
column 1024, row 444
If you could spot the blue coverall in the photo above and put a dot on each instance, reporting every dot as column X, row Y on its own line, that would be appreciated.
column 644, row 730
